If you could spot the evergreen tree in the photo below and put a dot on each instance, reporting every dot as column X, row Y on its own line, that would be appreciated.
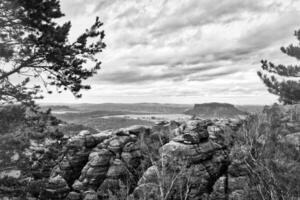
column 288, row 88
column 34, row 46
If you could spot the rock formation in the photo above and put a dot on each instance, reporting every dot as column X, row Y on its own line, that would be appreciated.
column 215, row 110
column 194, row 159
column 98, row 166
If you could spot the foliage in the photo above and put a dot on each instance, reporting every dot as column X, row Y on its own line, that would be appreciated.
column 34, row 46
column 10, row 117
column 272, row 161
column 20, row 130
column 16, row 117
column 287, row 90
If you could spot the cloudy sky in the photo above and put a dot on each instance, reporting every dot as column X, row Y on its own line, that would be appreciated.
column 184, row 51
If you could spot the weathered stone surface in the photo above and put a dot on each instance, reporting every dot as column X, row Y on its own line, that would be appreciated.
column 90, row 195
column 195, row 160
column 190, row 153
column 131, row 160
column 56, row 188
column 95, row 170
column 73, row 196
column 98, row 165
column 76, row 155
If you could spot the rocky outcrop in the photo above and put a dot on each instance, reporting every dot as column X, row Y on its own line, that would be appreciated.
column 193, row 159
column 215, row 110
column 97, row 165
column 136, row 159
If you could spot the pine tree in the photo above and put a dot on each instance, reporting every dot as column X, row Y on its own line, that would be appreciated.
column 288, row 88
column 34, row 46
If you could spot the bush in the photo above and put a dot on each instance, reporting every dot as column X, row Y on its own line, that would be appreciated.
column 11, row 117
column 272, row 161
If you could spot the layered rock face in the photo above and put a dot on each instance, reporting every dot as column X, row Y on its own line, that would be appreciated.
column 190, row 163
column 144, row 163
column 194, row 159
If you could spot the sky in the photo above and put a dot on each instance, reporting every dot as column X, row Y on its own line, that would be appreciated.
column 183, row 51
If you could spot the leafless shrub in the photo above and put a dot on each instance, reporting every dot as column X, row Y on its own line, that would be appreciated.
column 273, row 164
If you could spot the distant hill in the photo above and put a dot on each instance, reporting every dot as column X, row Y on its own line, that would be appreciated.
column 58, row 108
column 83, row 116
column 125, row 107
column 215, row 110
column 143, row 108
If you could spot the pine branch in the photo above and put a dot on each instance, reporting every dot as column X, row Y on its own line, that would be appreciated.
column 287, row 90
column 281, row 70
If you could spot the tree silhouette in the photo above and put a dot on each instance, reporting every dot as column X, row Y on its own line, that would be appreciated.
column 33, row 46
column 288, row 90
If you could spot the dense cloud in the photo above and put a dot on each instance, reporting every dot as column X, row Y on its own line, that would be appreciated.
column 197, row 48
column 174, row 74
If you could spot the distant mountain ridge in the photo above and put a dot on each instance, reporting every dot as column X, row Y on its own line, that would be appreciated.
column 124, row 107
column 215, row 110
column 159, row 108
